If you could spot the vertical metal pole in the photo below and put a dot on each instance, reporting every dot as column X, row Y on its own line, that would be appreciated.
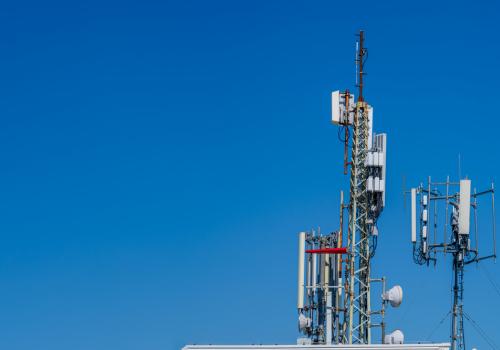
column 455, row 302
column 351, row 259
column 445, row 241
column 435, row 221
column 494, row 220
column 383, row 311
column 429, row 195
column 429, row 192
column 338, row 271
column 459, row 167
column 314, row 280
column 314, row 276
column 368, row 308
column 321, row 288
column 475, row 223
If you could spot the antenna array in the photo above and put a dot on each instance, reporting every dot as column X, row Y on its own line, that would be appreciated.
column 457, row 200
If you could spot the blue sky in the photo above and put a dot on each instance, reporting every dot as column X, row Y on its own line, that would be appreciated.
column 158, row 159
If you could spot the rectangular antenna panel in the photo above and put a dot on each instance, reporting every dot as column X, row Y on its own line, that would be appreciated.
column 413, row 215
column 370, row 184
column 370, row 127
column 369, row 159
column 380, row 144
column 340, row 113
column 424, row 215
column 381, row 159
column 382, row 186
column 336, row 107
column 464, row 208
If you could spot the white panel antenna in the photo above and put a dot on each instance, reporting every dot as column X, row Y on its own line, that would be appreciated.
column 382, row 144
column 464, row 208
column 342, row 114
column 370, row 126
column 336, row 112
column 413, row 215
column 376, row 161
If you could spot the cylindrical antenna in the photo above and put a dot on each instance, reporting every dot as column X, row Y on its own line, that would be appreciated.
column 314, row 270
column 300, row 282
column 308, row 272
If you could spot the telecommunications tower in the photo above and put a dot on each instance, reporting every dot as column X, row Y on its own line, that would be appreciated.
column 455, row 200
column 334, row 292
column 334, row 288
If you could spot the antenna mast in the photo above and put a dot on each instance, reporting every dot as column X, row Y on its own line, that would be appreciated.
column 359, row 62
column 358, row 244
column 457, row 200
column 336, row 290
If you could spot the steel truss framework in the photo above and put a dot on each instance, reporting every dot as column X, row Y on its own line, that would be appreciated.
column 458, row 336
column 357, row 301
column 350, row 308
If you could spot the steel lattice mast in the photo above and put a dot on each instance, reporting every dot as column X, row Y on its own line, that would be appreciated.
column 358, row 269
column 334, row 291
column 457, row 321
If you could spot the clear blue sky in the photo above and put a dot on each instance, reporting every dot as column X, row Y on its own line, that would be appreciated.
column 158, row 159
